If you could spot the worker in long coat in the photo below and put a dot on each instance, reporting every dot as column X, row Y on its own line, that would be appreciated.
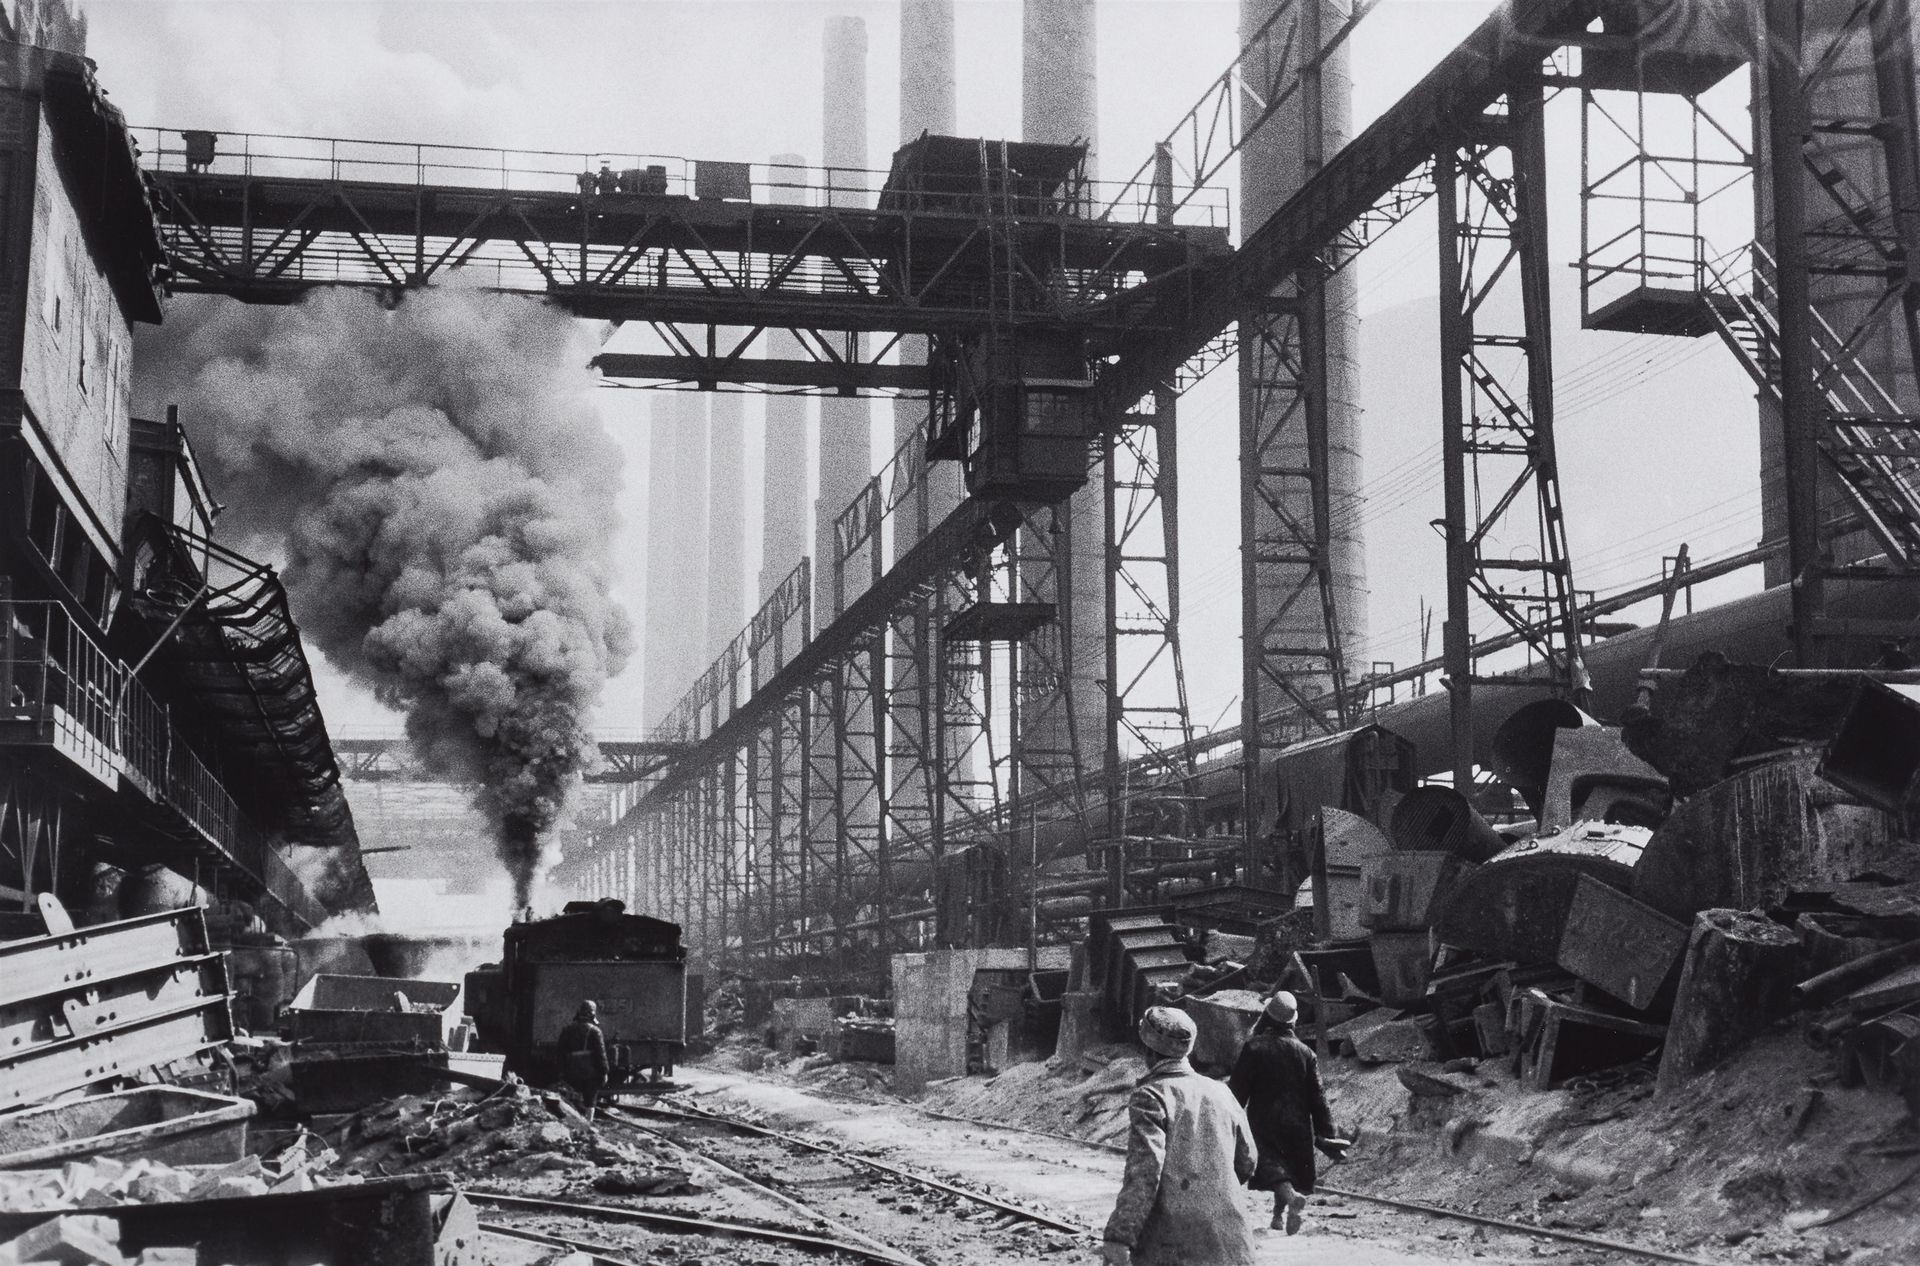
column 1188, row 1154
column 1277, row 1077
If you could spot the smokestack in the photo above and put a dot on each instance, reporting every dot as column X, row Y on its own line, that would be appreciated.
column 1272, row 169
column 674, row 651
column 846, row 425
column 1058, row 101
column 726, row 520
column 927, row 91
column 445, row 499
column 783, row 522
column 1058, row 106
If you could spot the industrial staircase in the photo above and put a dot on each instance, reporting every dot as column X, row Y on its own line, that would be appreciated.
column 1866, row 438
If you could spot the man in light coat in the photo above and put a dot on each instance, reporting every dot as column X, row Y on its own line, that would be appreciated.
column 1189, row 1152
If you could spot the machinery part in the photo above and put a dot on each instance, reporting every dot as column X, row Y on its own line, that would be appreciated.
column 1524, row 744
column 1595, row 778
column 1516, row 905
column 110, row 1000
column 1876, row 754
column 1440, row 818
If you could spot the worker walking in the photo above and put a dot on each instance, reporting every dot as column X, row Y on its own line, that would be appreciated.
column 1188, row 1153
column 583, row 1055
column 1277, row 1077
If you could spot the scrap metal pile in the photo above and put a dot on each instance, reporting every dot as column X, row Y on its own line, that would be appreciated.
column 1741, row 853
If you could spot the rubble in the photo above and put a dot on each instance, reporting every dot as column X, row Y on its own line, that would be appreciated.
column 514, row 1129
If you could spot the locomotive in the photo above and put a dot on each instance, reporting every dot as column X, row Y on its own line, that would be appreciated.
column 633, row 968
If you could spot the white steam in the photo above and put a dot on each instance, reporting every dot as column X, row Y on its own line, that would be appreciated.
column 444, row 496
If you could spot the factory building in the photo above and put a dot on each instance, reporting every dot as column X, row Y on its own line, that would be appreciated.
column 158, row 722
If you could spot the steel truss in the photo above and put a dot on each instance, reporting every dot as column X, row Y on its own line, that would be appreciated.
column 1845, row 208
column 1505, row 524
column 950, row 784
column 1819, row 303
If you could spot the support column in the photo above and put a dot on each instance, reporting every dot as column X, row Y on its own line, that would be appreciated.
column 1787, row 128
column 1456, row 335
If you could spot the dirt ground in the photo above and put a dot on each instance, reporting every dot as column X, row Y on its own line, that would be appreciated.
column 1734, row 1167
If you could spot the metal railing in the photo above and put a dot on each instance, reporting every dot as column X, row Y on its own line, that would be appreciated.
column 53, row 673
column 1873, row 448
column 616, row 173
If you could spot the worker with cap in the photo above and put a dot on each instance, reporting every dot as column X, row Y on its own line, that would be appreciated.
column 582, row 1048
column 1189, row 1152
column 1277, row 1077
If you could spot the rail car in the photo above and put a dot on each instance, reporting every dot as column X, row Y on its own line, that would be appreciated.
column 633, row 968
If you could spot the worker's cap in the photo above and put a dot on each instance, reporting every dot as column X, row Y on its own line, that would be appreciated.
column 1166, row 1031
column 587, row 1011
column 1283, row 1007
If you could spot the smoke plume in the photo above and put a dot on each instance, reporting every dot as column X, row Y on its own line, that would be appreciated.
column 444, row 497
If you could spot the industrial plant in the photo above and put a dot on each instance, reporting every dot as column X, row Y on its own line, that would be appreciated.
column 565, row 706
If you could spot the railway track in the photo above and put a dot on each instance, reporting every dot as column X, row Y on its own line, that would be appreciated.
column 930, row 1182
column 1571, row 1238
column 861, row 1249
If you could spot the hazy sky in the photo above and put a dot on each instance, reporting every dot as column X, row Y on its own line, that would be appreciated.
column 1657, row 435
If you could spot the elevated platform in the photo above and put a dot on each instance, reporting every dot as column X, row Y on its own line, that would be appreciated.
column 1660, row 310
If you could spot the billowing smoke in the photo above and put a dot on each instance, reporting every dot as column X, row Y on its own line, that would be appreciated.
column 444, row 497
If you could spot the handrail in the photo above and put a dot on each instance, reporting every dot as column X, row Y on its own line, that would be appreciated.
column 1846, row 385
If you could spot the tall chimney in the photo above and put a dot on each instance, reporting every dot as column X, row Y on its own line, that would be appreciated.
column 783, row 522
column 675, row 640
column 1058, row 106
column 926, row 105
column 1273, row 166
column 846, row 425
column 726, row 519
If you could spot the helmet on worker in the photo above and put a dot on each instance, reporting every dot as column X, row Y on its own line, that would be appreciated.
column 587, row 1013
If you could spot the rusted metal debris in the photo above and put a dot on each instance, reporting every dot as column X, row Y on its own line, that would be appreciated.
column 1439, row 819
column 1516, row 906
column 1618, row 945
column 1752, row 840
column 1876, row 753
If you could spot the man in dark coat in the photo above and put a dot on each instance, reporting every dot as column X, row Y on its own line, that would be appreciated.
column 582, row 1048
column 1277, row 1077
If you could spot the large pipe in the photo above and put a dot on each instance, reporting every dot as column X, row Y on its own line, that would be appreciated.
column 1753, row 630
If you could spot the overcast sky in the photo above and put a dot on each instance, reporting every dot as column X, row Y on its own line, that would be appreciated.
column 1657, row 435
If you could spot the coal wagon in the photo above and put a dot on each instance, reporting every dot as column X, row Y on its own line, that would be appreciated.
column 633, row 968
